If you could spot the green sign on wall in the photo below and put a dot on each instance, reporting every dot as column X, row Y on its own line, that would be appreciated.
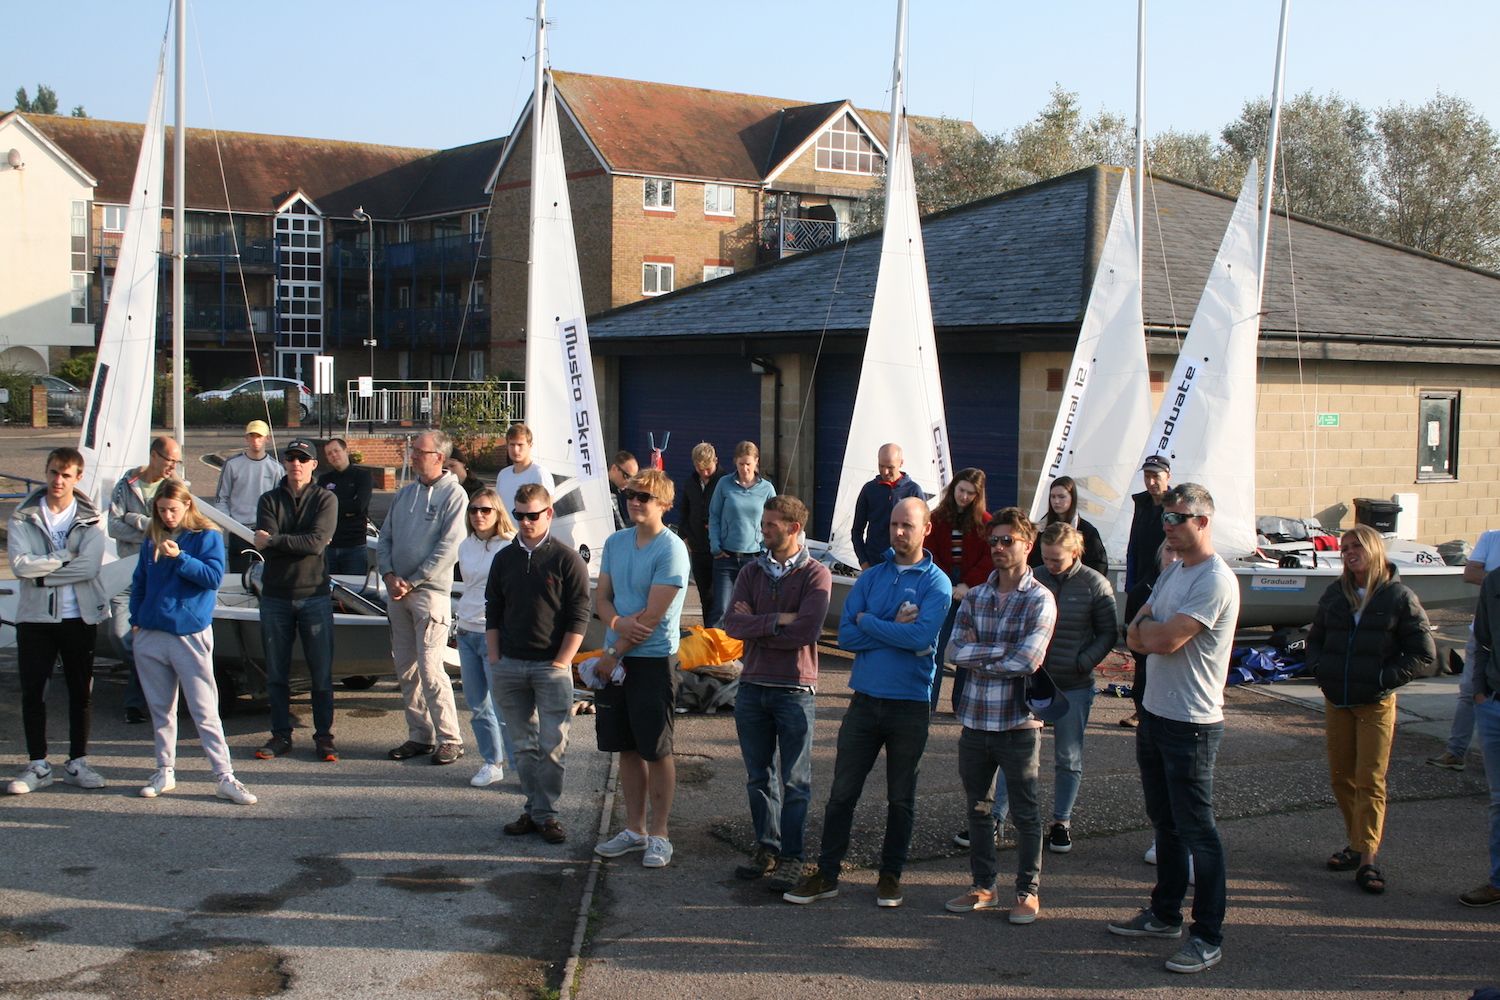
column 1328, row 420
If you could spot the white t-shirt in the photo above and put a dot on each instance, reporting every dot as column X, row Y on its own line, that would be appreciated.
column 1188, row 685
column 58, row 526
column 509, row 480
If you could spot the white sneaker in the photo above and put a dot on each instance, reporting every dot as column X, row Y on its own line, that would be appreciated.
column 1151, row 854
column 77, row 772
column 488, row 775
column 1151, row 860
column 658, row 853
column 235, row 792
column 621, row 843
column 164, row 780
column 35, row 776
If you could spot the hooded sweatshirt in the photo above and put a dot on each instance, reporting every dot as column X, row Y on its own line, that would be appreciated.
column 891, row 660
column 43, row 570
column 419, row 540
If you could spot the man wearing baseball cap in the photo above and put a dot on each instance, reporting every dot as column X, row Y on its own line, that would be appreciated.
column 242, row 482
column 293, row 525
column 1146, row 532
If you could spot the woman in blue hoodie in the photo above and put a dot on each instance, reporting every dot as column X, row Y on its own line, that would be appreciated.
column 734, row 526
column 172, row 598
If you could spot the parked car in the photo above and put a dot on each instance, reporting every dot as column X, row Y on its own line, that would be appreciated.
column 64, row 401
column 269, row 387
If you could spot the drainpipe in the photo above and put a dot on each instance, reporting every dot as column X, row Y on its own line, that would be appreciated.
column 765, row 366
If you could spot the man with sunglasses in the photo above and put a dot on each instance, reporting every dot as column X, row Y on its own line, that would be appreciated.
column 536, row 612
column 643, row 578
column 293, row 525
column 890, row 622
column 1187, row 631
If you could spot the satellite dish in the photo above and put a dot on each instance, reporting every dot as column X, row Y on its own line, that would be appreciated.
column 14, row 159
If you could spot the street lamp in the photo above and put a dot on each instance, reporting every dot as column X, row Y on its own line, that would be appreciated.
column 360, row 215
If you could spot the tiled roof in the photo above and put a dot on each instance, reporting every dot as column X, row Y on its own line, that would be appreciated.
column 660, row 128
column 259, row 172
column 455, row 179
column 1022, row 261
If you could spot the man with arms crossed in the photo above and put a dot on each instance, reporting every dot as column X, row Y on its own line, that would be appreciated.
column 536, row 611
column 777, row 611
column 417, row 551
column 347, row 554
column 292, row 528
column 890, row 622
column 1187, row 630
column 643, row 578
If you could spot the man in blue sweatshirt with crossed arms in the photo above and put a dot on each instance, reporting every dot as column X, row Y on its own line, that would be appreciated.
column 890, row 622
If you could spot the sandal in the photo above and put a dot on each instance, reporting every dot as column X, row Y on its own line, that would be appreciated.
column 1370, row 880
column 1346, row 860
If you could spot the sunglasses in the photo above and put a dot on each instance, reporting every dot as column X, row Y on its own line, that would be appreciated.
column 1173, row 518
column 528, row 515
column 640, row 495
column 299, row 459
column 481, row 510
column 1001, row 541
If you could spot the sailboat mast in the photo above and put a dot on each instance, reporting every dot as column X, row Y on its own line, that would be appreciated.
column 179, row 225
column 898, row 80
column 1140, row 137
column 1272, row 135
column 536, row 148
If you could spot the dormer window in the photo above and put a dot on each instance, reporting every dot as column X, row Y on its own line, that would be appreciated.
column 659, row 195
column 845, row 148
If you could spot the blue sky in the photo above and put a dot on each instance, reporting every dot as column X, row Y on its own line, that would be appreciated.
column 446, row 72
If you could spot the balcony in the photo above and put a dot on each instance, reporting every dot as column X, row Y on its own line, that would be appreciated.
column 434, row 328
column 222, row 320
column 418, row 253
column 786, row 235
column 216, row 249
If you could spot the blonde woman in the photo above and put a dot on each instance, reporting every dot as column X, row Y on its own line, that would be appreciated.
column 1369, row 636
column 171, row 609
column 734, row 525
column 490, row 529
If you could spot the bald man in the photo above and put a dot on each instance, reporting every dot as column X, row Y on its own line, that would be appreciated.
column 890, row 622
column 872, row 511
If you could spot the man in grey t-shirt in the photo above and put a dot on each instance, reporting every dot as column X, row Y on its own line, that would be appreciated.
column 1187, row 631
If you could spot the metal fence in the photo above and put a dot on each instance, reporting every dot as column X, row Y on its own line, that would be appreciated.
column 430, row 403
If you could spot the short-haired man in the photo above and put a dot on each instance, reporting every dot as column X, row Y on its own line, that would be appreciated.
column 642, row 583
column 1187, row 630
column 697, row 495
column 129, row 517
column 522, row 468
column 622, row 468
column 872, row 511
column 347, row 554
column 244, row 479
column 536, row 611
column 777, row 611
column 1001, row 634
column 56, row 546
column 292, row 528
column 890, row 622
column 417, row 551
column 1143, row 553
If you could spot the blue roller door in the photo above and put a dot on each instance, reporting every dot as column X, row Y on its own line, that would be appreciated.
column 835, row 384
column 696, row 399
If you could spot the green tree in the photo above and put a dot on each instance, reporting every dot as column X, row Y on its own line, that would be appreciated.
column 45, row 102
column 1195, row 157
column 78, row 112
column 79, row 370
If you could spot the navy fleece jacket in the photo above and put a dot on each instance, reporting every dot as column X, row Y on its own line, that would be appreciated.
column 890, row 660
column 872, row 515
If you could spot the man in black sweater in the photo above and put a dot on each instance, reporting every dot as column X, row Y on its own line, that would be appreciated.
column 346, row 553
column 697, row 494
column 536, row 611
column 293, row 524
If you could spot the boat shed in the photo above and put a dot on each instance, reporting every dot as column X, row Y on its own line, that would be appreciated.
column 1378, row 363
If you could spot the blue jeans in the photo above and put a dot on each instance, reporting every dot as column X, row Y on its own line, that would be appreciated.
column 351, row 561
column 489, row 728
column 869, row 724
column 768, row 719
column 281, row 621
column 1488, row 717
column 1176, row 760
column 122, row 638
column 726, row 570
column 536, row 704
column 1067, row 756
column 944, row 634
column 1012, row 757
column 1462, row 732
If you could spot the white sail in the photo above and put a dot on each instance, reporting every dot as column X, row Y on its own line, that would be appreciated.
column 1206, row 422
column 900, row 397
column 1107, row 398
column 562, row 408
column 116, row 433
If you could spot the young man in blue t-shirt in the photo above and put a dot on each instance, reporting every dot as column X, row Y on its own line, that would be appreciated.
column 642, row 582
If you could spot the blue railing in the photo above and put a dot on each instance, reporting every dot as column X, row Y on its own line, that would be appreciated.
column 412, row 329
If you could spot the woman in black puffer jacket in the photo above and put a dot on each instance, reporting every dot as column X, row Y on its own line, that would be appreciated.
column 1369, row 636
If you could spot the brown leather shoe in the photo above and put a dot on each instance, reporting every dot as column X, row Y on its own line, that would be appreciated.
column 447, row 753
column 522, row 826
column 411, row 748
column 552, row 832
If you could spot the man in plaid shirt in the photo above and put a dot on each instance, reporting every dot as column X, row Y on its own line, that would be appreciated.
column 1001, row 635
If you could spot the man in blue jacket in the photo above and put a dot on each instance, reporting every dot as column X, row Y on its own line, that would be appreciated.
column 891, row 620
column 877, row 498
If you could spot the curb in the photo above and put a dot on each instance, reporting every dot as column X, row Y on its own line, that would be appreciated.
column 591, row 883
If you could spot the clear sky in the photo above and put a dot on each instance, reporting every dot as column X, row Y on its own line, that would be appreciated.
column 440, row 73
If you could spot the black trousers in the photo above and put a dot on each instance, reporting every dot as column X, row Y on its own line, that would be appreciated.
column 38, row 645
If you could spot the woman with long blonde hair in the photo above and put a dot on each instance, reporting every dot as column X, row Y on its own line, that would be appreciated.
column 177, row 577
column 1369, row 636
column 490, row 529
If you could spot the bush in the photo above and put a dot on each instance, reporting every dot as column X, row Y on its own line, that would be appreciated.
column 18, row 410
column 238, row 410
column 79, row 370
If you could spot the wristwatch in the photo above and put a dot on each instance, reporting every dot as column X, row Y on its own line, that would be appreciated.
column 612, row 651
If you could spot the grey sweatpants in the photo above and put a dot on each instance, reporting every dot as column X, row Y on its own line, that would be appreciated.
column 167, row 662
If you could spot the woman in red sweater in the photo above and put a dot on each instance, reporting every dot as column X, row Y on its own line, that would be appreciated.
column 958, row 547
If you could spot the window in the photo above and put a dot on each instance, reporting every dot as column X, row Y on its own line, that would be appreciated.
column 445, row 227
column 114, row 218
column 476, row 366
column 109, row 287
column 846, row 149
column 1437, row 436
column 712, row 271
column 403, row 296
column 476, row 294
column 80, row 298
column 656, row 278
column 659, row 194
column 476, row 227
column 80, row 237
column 718, row 199
column 403, row 232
